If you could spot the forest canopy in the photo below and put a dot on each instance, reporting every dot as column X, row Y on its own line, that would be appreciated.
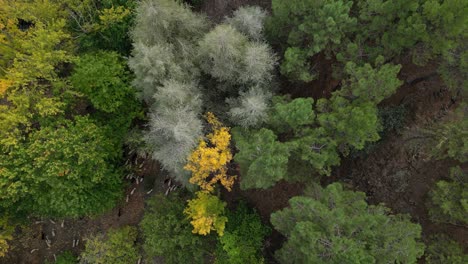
column 188, row 131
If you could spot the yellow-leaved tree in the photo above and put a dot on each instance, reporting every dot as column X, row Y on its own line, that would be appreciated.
column 208, row 162
column 207, row 214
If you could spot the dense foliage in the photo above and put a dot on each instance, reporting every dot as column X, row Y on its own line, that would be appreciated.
column 334, row 225
column 168, row 233
column 65, row 257
column 243, row 237
column 6, row 234
column 360, row 31
column 442, row 249
column 348, row 120
column 62, row 170
column 210, row 102
column 117, row 246
column 102, row 77
column 449, row 199
column 207, row 213
column 208, row 162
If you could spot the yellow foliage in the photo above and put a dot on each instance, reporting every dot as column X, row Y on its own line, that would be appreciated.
column 208, row 162
column 4, row 84
column 207, row 214
column 6, row 232
column 111, row 16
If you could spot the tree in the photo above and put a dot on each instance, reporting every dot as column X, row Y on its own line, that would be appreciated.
column 102, row 77
column 157, row 23
column 221, row 53
column 243, row 237
column 63, row 170
column 31, row 56
column 228, row 56
column 250, row 109
column 370, row 84
column 450, row 139
column 317, row 25
column 164, row 45
column 317, row 148
column 167, row 232
column 442, row 249
column 449, row 199
column 102, row 25
column 333, row 225
column 392, row 26
column 207, row 214
column 258, row 64
column 208, row 162
column 172, row 135
column 291, row 115
column 349, row 123
column 262, row 158
column 174, row 94
column 249, row 20
column 118, row 247
column 167, row 79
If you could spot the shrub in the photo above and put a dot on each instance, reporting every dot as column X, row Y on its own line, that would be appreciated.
column 167, row 232
column 450, row 139
column 65, row 257
column 450, row 198
column 118, row 247
column 392, row 119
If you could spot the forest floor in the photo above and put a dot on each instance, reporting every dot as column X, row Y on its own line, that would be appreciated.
column 396, row 171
